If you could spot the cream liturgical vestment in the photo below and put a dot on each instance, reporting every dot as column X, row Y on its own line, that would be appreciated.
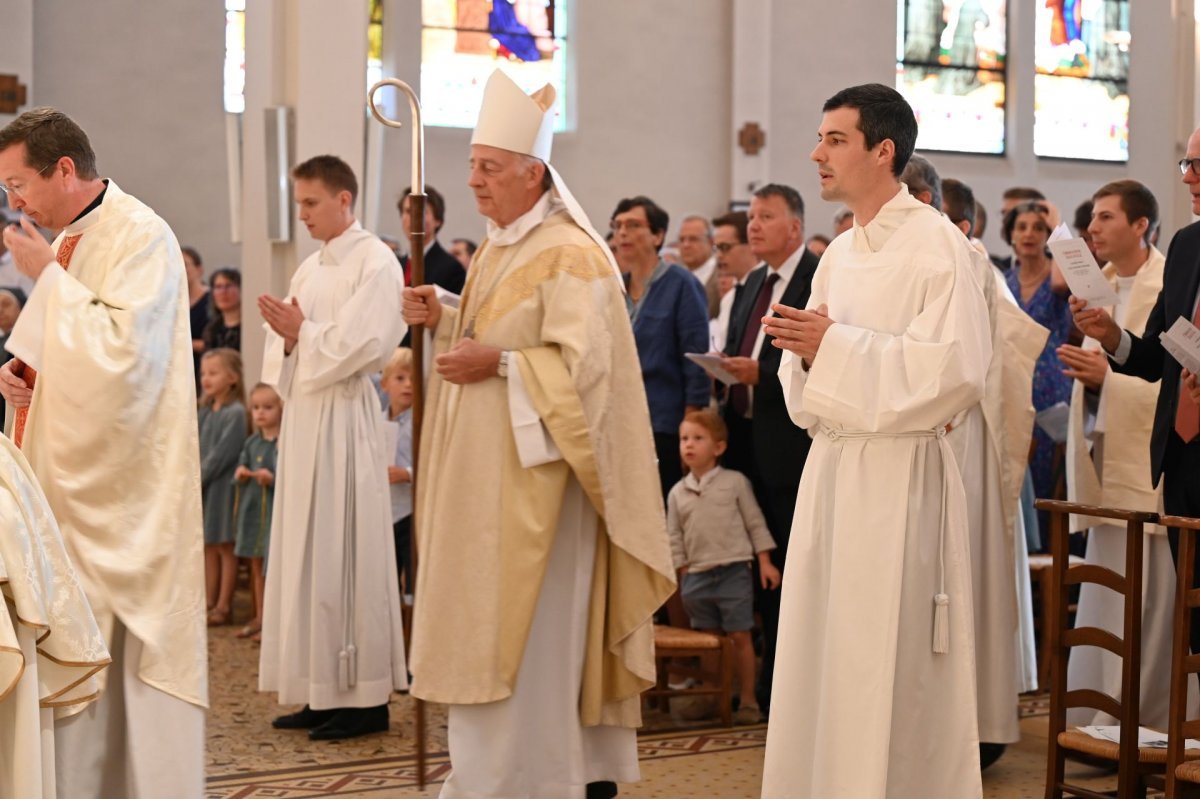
column 112, row 437
column 1108, row 462
column 875, row 676
column 50, row 646
column 991, row 446
column 551, row 514
column 332, row 634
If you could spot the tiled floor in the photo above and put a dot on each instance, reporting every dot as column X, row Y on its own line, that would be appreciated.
column 247, row 759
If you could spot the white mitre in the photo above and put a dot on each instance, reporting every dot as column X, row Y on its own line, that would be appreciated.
column 523, row 123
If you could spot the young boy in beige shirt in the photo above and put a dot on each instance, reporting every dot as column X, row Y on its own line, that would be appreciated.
column 716, row 530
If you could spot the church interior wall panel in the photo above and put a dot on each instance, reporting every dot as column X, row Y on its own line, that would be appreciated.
column 144, row 79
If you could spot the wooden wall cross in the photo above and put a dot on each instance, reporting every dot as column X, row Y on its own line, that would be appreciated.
column 12, row 94
column 752, row 138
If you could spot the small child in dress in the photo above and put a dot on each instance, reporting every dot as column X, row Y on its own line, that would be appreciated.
column 223, row 430
column 716, row 528
column 253, row 494
column 397, row 383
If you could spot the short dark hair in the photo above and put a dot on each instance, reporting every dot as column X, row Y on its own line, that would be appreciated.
column 1137, row 202
column 470, row 245
column 435, row 199
column 958, row 201
column 883, row 113
column 335, row 173
column 921, row 175
column 194, row 254
column 795, row 202
column 1083, row 215
column 1023, row 193
column 821, row 237
column 655, row 215
column 48, row 135
column 1010, row 219
column 736, row 220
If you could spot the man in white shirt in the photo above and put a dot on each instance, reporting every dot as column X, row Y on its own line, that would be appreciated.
column 696, row 253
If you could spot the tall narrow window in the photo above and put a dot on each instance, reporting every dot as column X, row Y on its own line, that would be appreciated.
column 463, row 41
column 374, row 42
column 1082, row 82
column 235, row 56
column 950, row 66
column 235, row 51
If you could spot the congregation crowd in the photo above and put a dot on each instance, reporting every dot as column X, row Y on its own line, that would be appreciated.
column 714, row 311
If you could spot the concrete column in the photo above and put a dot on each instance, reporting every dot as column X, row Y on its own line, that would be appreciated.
column 312, row 58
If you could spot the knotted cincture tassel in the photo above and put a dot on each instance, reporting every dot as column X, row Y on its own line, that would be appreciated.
column 941, row 624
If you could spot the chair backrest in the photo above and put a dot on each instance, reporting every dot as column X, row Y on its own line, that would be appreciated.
column 1183, row 662
column 1127, row 709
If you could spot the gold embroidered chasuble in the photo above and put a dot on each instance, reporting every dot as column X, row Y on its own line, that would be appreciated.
column 485, row 523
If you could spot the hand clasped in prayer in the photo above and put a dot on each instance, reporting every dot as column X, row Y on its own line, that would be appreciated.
column 30, row 251
column 798, row 331
column 285, row 318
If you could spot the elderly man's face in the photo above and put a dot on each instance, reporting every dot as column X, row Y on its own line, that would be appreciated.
column 505, row 183
column 695, row 247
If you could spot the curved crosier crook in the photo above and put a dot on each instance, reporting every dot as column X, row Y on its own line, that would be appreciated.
column 418, row 145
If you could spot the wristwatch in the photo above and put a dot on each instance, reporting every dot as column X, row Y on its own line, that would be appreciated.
column 502, row 367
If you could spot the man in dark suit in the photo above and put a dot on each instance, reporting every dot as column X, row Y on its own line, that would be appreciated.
column 1175, row 442
column 763, row 441
column 441, row 268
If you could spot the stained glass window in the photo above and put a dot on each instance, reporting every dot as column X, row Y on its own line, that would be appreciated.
column 1081, row 89
column 950, row 66
column 463, row 41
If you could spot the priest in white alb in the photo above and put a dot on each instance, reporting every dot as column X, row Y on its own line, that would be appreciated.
column 1108, row 461
column 875, row 672
column 104, row 392
column 332, row 638
column 50, row 646
column 540, row 528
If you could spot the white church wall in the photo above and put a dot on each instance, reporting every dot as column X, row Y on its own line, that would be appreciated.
column 144, row 80
column 16, row 46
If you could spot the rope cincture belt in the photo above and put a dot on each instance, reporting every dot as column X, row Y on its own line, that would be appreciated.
column 941, row 600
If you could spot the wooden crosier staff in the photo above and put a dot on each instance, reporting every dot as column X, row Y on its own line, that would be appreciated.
column 416, row 242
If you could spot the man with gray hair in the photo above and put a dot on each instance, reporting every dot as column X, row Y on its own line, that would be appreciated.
column 696, row 252
column 923, row 181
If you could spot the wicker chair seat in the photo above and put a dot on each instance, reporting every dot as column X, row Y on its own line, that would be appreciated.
column 679, row 638
column 1081, row 742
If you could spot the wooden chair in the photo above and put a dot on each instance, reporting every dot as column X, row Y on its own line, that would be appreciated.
column 1039, row 573
column 1134, row 764
column 1183, row 769
column 677, row 642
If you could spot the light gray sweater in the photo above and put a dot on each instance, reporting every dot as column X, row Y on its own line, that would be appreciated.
column 715, row 520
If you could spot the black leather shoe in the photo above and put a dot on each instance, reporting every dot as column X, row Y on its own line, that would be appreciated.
column 303, row 719
column 601, row 790
column 351, row 722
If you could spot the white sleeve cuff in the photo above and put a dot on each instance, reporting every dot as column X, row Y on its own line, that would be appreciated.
column 1121, row 355
column 534, row 444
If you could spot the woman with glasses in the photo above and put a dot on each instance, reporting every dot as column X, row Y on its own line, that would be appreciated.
column 225, row 329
